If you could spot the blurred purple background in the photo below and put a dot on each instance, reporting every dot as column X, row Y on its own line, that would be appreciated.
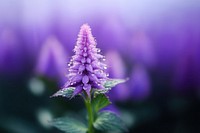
column 154, row 43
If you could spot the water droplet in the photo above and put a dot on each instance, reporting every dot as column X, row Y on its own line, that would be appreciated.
column 98, row 50
column 107, row 74
column 72, row 83
column 70, row 64
column 85, row 79
column 105, row 67
column 84, row 88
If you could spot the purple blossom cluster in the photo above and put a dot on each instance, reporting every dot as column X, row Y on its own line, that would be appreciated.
column 87, row 67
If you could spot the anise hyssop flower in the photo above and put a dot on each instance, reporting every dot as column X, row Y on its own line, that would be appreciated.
column 87, row 77
column 87, row 67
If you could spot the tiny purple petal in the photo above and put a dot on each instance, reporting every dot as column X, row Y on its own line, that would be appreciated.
column 75, row 66
column 93, row 77
column 89, row 68
column 83, row 60
column 76, row 78
column 85, row 79
column 95, row 65
column 88, row 60
column 84, row 54
column 78, row 90
column 81, row 68
column 100, row 74
column 87, row 88
column 98, row 86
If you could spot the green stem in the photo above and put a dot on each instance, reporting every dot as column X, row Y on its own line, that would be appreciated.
column 90, row 115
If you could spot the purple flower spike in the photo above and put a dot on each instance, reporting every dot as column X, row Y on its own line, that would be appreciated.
column 86, row 68
column 51, row 60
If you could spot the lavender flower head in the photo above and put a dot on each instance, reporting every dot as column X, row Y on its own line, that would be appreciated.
column 87, row 77
column 87, row 67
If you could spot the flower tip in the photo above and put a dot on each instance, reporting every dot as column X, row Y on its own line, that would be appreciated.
column 87, row 69
column 85, row 27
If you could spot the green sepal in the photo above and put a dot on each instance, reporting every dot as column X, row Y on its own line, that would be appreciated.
column 65, row 92
column 109, row 121
column 100, row 101
column 69, row 125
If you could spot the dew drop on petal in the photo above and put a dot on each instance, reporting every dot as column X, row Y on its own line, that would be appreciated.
column 69, row 64
column 98, row 50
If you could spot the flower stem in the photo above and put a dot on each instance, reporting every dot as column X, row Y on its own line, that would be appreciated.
column 90, row 115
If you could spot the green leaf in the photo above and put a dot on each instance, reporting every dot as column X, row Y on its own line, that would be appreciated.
column 65, row 92
column 100, row 101
column 108, row 121
column 69, row 125
column 113, row 82
column 109, row 84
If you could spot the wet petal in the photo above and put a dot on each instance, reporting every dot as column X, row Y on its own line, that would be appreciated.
column 93, row 78
column 85, row 79
column 87, row 88
column 78, row 90
column 81, row 68
column 89, row 68
column 88, row 60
